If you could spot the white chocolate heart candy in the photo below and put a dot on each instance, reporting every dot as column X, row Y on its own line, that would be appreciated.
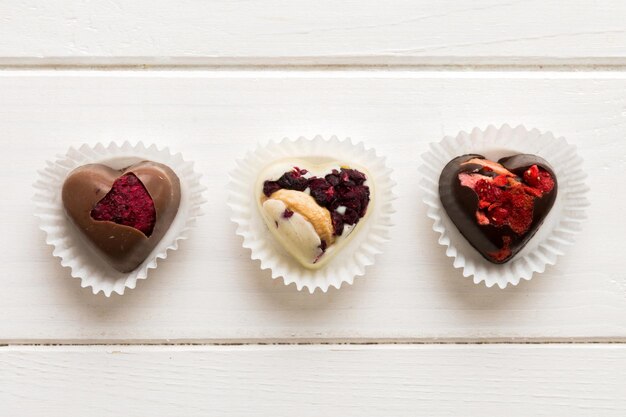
column 305, row 212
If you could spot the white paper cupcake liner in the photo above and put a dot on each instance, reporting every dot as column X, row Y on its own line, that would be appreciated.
column 367, row 240
column 558, row 229
column 69, row 244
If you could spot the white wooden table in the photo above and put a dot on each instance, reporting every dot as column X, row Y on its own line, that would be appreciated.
column 209, row 333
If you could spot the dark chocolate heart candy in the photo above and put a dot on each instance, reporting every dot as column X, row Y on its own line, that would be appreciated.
column 498, row 207
column 123, row 214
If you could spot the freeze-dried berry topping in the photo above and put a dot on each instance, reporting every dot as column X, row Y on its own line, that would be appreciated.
column 341, row 188
column 488, row 190
column 498, row 216
column 337, row 222
column 127, row 203
column 270, row 187
column 506, row 200
column 322, row 191
column 539, row 178
column 292, row 181
column 287, row 213
column 357, row 176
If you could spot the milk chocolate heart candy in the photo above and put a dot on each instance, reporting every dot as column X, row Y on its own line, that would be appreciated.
column 122, row 213
column 312, row 209
column 498, row 207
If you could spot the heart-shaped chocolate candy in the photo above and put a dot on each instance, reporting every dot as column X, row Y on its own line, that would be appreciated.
column 498, row 207
column 312, row 208
column 122, row 213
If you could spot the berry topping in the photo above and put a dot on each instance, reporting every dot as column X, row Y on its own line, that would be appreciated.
column 270, row 187
column 297, row 171
column 292, row 181
column 287, row 213
column 341, row 188
column 127, row 203
column 488, row 190
column 505, row 200
column 539, row 178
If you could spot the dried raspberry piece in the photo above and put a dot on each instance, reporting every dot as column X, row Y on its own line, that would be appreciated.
column 287, row 213
column 487, row 191
column 539, row 178
column 535, row 192
column 508, row 201
column 499, row 216
column 531, row 176
column 127, row 203
column 501, row 180
column 521, row 207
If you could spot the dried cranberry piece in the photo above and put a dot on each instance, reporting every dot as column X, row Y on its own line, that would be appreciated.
column 357, row 176
column 333, row 179
column 270, row 187
column 322, row 191
column 292, row 181
column 351, row 216
column 337, row 222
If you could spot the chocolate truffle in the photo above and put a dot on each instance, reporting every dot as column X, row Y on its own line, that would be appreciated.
column 122, row 214
column 498, row 206
column 310, row 212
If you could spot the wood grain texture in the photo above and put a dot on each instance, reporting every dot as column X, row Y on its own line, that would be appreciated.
column 278, row 32
column 433, row 381
column 209, row 290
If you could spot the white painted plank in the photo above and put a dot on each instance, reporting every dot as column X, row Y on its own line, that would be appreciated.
column 210, row 290
column 433, row 381
column 279, row 32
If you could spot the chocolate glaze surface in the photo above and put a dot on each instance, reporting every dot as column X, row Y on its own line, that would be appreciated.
column 461, row 203
column 123, row 247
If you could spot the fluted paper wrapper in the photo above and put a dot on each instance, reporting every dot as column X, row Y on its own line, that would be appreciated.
column 560, row 226
column 69, row 244
column 366, row 241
